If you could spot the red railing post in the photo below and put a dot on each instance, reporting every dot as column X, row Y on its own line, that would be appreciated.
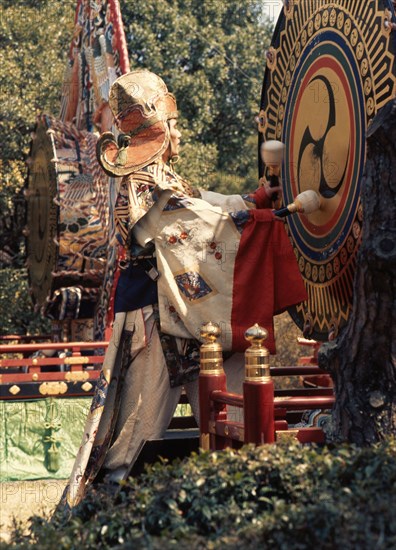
column 211, row 378
column 258, row 390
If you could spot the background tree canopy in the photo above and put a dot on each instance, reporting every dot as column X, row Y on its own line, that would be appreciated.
column 211, row 55
column 34, row 39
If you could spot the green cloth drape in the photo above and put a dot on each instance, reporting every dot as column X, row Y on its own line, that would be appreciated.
column 40, row 438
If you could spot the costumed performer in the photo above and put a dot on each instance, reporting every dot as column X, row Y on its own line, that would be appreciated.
column 190, row 257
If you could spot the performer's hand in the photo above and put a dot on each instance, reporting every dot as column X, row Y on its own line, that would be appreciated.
column 270, row 191
column 262, row 197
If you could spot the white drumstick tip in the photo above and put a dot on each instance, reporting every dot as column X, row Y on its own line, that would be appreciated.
column 305, row 203
column 308, row 201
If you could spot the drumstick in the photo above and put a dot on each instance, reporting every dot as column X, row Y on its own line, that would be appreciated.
column 306, row 203
column 272, row 156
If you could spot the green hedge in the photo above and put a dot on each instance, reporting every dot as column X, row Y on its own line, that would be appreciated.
column 278, row 496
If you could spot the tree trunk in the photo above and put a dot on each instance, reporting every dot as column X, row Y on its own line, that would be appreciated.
column 362, row 361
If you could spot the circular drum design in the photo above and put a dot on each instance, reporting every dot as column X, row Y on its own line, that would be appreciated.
column 41, row 216
column 67, row 221
column 330, row 68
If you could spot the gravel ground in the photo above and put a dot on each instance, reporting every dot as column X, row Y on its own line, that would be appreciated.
column 19, row 500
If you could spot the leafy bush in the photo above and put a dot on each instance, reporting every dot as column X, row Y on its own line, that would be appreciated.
column 17, row 314
column 278, row 496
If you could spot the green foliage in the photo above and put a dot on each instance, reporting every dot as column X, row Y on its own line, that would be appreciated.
column 277, row 496
column 16, row 311
column 34, row 40
column 211, row 56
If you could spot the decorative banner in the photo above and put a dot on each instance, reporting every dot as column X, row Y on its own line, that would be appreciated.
column 330, row 68
column 97, row 56
column 71, row 263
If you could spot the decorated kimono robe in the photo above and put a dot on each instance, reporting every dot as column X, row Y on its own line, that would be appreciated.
column 234, row 268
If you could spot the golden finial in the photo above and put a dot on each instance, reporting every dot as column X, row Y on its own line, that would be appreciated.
column 257, row 355
column 211, row 356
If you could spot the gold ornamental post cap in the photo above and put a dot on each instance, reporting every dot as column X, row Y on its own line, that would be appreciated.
column 211, row 353
column 256, row 334
column 210, row 332
column 257, row 355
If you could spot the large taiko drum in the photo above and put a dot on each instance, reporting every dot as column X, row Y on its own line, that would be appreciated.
column 67, row 221
column 330, row 68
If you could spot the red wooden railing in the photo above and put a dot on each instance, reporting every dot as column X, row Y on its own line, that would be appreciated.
column 49, row 368
column 266, row 412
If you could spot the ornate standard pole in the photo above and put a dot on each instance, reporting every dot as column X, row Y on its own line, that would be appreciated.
column 211, row 378
column 258, row 390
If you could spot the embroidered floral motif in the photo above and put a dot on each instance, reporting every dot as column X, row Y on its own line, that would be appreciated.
column 140, row 190
column 172, row 312
column 180, row 237
column 192, row 285
column 215, row 249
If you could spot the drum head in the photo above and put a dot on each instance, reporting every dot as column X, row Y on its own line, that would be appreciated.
column 42, row 215
column 67, row 220
column 330, row 68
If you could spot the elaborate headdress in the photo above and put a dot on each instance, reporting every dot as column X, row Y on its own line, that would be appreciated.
column 141, row 105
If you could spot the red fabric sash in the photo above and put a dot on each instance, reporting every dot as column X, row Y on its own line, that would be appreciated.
column 266, row 277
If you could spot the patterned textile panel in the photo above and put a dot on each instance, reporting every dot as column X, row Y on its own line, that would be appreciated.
column 97, row 56
column 71, row 260
column 82, row 232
